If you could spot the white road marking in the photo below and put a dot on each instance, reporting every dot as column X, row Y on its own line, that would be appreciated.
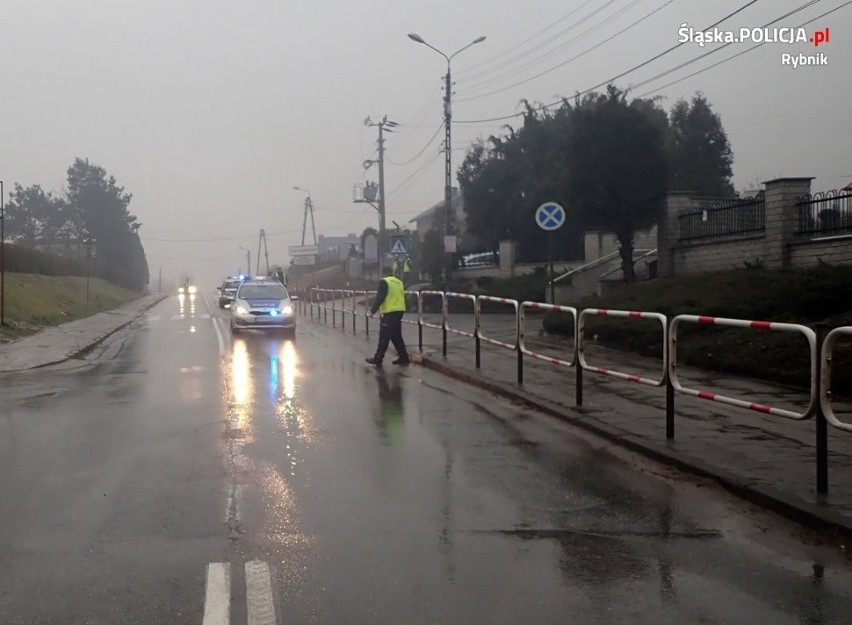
column 217, row 600
column 154, row 317
column 261, row 610
column 219, row 337
column 205, row 316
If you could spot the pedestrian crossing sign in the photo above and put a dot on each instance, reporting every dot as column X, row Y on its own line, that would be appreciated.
column 399, row 246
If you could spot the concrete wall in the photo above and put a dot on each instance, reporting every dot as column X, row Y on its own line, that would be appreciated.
column 832, row 250
column 718, row 255
column 776, row 247
column 597, row 244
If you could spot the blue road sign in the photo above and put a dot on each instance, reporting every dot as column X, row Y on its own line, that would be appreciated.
column 550, row 216
column 399, row 245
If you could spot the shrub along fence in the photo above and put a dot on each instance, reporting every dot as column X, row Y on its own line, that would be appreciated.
column 22, row 259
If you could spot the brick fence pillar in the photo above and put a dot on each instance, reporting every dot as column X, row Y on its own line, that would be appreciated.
column 668, row 232
column 782, row 218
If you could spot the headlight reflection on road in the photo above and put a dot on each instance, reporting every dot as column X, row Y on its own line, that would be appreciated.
column 289, row 360
column 241, row 385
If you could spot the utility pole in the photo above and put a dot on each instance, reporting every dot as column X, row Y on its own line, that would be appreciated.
column 309, row 208
column 2, row 256
column 384, row 126
column 262, row 241
column 89, row 243
column 448, row 145
column 248, row 260
column 448, row 170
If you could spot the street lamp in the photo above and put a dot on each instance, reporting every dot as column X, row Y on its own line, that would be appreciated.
column 2, row 256
column 448, row 145
column 248, row 260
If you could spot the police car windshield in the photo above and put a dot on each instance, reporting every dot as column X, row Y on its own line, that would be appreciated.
column 262, row 291
column 232, row 284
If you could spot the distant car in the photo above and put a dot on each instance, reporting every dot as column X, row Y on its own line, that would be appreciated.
column 228, row 290
column 263, row 304
column 187, row 289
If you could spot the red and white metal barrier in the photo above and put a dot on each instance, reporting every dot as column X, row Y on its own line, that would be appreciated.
column 825, row 378
column 467, row 296
column 478, row 315
column 405, row 297
column 537, row 355
column 773, row 326
column 621, row 314
column 432, row 294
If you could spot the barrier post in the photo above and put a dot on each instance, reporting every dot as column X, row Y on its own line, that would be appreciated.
column 343, row 311
column 354, row 311
column 445, row 312
column 333, row 310
column 478, row 357
column 420, row 321
column 821, row 423
column 578, row 383
column 324, row 307
column 519, row 333
column 670, row 409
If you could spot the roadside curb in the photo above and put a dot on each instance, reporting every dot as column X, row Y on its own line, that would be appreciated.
column 792, row 507
column 87, row 348
column 82, row 351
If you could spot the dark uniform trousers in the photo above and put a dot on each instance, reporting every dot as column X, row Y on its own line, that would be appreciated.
column 390, row 331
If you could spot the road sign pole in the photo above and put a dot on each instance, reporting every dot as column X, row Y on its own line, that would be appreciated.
column 550, row 256
column 550, row 216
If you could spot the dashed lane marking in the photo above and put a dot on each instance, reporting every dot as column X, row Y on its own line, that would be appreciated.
column 260, row 605
column 217, row 599
column 261, row 610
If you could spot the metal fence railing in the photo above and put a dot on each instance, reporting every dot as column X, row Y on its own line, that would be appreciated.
column 821, row 345
column 722, row 220
column 826, row 213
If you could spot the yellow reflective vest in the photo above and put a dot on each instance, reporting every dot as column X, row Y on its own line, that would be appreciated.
column 395, row 299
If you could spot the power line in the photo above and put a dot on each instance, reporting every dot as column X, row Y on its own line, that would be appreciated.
column 730, row 58
column 525, row 41
column 614, row 78
column 572, row 59
column 543, row 44
column 722, row 47
column 420, row 153
column 416, row 174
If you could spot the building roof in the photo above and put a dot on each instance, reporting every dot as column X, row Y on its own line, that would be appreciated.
column 456, row 203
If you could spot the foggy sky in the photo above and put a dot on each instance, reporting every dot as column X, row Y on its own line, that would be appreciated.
column 210, row 112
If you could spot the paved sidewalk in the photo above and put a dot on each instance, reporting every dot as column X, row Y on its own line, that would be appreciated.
column 768, row 459
column 70, row 340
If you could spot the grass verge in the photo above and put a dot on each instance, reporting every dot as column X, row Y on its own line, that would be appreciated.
column 34, row 301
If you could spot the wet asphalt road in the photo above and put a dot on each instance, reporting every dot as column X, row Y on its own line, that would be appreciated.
column 173, row 454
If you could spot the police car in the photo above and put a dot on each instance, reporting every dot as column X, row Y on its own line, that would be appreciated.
column 228, row 290
column 262, row 303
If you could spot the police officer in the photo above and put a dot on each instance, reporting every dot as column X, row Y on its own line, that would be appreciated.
column 406, row 271
column 390, row 301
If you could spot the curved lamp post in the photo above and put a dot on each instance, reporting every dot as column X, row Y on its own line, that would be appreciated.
column 448, row 145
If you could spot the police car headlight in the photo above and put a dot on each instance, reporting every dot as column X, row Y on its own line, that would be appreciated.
column 287, row 310
column 242, row 310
